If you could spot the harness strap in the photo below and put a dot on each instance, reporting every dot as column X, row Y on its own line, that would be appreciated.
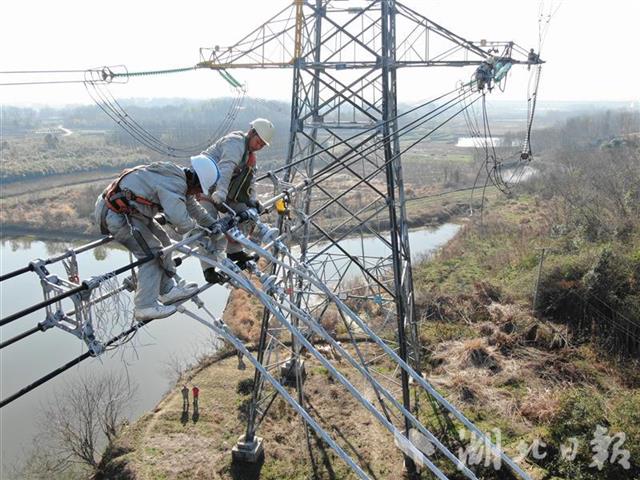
column 118, row 200
column 239, row 187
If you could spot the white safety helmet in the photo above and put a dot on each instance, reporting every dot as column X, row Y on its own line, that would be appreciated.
column 264, row 128
column 206, row 170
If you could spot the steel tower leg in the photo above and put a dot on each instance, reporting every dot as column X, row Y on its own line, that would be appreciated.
column 336, row 93
column 296, row 145
column 397, row 220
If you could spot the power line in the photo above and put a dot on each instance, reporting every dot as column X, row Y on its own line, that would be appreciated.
column 327, row 170
column 368, row 130
column 83, row 287
column 68, row 365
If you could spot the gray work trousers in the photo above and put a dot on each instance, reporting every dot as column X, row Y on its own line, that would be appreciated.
column 153, row 276
column 221, row 243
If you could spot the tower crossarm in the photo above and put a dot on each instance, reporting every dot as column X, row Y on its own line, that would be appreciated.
column 274, row 44
column 421, row 42
column 282, row 42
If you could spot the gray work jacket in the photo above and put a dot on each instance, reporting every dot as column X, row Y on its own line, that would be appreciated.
column 165, row 184
column 228, row 153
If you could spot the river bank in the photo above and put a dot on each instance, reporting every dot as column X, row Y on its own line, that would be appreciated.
column 159, row 346
column 63, row 225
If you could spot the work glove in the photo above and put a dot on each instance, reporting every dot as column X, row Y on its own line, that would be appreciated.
column 255, row 203
column 218, row 203
column 208, row 240
column 199, row 229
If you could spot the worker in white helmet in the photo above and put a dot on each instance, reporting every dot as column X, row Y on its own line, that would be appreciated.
column 235, row 156
column 126, row 209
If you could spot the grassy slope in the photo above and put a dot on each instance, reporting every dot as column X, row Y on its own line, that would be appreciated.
column 166, row 444
column 509, row 369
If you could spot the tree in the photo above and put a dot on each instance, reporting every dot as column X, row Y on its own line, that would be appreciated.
column 79, row 421
column 51, row 141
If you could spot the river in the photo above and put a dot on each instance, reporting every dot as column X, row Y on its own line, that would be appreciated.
column 146, row 360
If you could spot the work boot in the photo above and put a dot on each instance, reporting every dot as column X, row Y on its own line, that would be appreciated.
column 179, row 292
column 183, row 283
column 241, row 258
column 212, row 276
column 157, row 311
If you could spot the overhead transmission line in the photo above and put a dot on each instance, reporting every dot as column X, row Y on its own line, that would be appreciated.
column 356, row 154
column 96, row 82
column 322, row 174
column 68, row 365
column 544, row 21
column 374, row 128
column 101, row 75
column 81, row 288
column 375, row 172
column 49, row 261
column 100, row 94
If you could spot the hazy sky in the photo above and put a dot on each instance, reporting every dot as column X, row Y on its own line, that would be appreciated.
column 591, row 48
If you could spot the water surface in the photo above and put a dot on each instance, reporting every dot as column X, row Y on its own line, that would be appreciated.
column 145, row 360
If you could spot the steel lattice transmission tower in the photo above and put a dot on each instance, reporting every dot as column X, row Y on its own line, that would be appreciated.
column 344, row 161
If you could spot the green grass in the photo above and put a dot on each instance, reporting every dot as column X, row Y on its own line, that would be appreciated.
column 153, row 452
column 591, row 386
column 434, row 332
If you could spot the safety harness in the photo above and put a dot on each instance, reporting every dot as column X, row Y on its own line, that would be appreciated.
column 240, row 185
column 118, row 199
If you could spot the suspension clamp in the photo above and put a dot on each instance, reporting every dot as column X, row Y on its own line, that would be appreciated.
column 269, row 284
column 93, row 282
column 95, row 348
column 129, row 283
column 51, row 320
column 38, row 266
column 265, row 233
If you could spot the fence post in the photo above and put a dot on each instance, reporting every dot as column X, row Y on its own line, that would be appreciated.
column 535, row 293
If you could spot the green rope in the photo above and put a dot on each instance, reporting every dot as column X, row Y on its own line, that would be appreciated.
column 223, row 73
column 153, row 72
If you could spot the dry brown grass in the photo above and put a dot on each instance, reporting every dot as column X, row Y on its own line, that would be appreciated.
column 503, row 342
column 519, row 383
column 243, row 315
column 476, row 354
column 160, row 445
column 539, row 407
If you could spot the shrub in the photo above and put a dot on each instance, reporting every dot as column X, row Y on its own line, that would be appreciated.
column 245, row 387
column 560, row 293
column 625, row 417
column 581, row 412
